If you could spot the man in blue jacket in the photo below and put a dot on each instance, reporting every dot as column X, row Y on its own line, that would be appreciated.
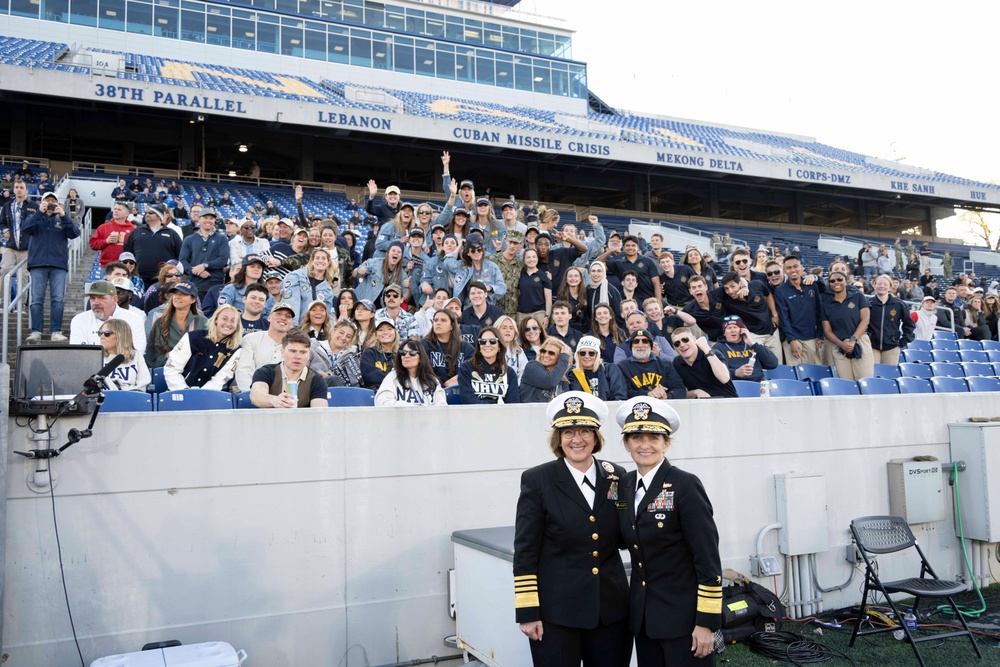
column 50, row 230
column 206, row 254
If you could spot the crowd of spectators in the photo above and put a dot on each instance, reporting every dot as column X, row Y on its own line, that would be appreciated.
column 516, row 308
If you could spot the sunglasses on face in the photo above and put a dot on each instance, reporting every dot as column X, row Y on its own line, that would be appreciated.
column 489, row 341
column 741, row 261
column 836, row 280
column 773, row 273
column 531, row 328
column 587, row 353
column 409, row 353
column 475, row 249
column 681, row 341
column 641, row 341
column 547, row 352
column 423, row 212
column 105, row 334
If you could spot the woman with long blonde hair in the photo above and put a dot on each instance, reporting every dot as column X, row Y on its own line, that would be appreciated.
column 207, row 358
column 116, row 338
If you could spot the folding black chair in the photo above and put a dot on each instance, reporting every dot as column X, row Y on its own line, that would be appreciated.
column 875, row 535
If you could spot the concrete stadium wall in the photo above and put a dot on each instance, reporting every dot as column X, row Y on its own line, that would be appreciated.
column 307, row 536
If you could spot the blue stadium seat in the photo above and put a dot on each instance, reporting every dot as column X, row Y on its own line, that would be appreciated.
column 747, row 389
column 887, row 371
column 944, row 344
column 781, row 372
column 915, row 356
column 342, row 397
column 159, row 384
column 242, row 401
column 194, row 399
column 993, row 356
column 996, row 369
column 127, row 401
column 812, row 372
column 838, row 387
column 949, row 385
column 944, row 335
column 915, row 370
column 919, row 345
column 941, row 369
column 452, row 394
column 783, row 388
column 975, row 355
column 967, row 344
column 878, row 385
column 990, row 345
column 914, row 385
column 946, row 356
column 972, row 368
column 977, row 383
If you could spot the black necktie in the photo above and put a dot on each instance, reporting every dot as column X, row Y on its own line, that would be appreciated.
column 586, row 480
column 641, row 488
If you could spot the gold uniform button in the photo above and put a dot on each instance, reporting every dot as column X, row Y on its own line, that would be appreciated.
column 635, row 546
column 594, row 536
column 633, row 526
column 644, row 583
column 659, row 524
column 595, row 570
column 640, row 566
column 593, row 519
column 595, row 554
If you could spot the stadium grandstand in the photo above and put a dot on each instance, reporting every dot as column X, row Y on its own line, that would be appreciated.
column 281, row 117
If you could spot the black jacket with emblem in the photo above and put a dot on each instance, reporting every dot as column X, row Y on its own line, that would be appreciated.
column 676, row 570
column 567, row 569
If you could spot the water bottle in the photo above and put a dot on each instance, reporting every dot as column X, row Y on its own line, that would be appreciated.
column 910, row 621
column 293, row 390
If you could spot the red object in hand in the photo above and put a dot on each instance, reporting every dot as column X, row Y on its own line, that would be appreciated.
column 914, row 316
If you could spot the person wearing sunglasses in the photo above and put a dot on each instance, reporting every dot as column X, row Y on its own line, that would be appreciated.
column 845, row 317
column 646, row 374
column 745, row 359
column 570, row 589
column 486, row 378
column 473, row 266
column 545, row 377
column 740, row 263
column 532, row 334
column 635, row 321
column 702, row 369
column 411, row 381
column 115, row 337
column 592, row 376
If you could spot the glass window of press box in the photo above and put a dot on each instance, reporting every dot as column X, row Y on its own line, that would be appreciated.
column 343, row 31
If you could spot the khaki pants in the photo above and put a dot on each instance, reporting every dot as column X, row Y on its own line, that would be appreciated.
column 10, row 259
column 890, row 357
column 810, row 355
column 855, row 369
column 771, row 342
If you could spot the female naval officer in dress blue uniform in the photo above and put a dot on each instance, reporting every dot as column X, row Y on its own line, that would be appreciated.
column 570, row 590
column 675, row 601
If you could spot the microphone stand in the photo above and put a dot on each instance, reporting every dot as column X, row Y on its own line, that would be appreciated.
column 42, row 479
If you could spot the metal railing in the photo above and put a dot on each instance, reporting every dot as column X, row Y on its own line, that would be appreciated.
column 690, row 230
column 23, row 285
column 119, row 170
column 79, row 246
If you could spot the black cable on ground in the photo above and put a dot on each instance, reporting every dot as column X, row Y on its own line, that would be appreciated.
column 62, row 571
column 793, row 648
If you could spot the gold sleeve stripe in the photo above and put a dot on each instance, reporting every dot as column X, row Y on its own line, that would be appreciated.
column 706, row 594
column 709, row 606
column 526, row 577
column 709, row 589
column 523, row 600
column 525, row 589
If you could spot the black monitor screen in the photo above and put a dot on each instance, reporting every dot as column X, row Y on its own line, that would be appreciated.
column 54, row 372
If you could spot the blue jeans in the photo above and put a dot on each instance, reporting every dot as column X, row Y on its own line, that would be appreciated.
column 56, row 280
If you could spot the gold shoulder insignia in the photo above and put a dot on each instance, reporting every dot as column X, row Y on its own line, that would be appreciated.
column 607, row 466
column 667, row 485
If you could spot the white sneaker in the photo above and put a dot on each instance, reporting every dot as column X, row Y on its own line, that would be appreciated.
column 34, row 336
column 58, row 337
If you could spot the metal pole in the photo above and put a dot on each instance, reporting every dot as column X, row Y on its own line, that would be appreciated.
column 4, row 411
